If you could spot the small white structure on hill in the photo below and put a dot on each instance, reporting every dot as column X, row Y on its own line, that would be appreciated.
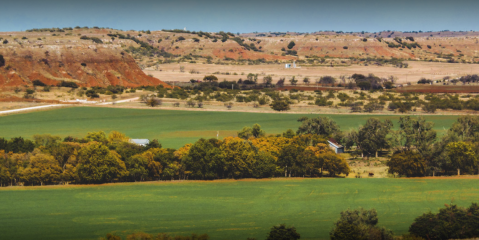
column 141, row 142
column 288, row 65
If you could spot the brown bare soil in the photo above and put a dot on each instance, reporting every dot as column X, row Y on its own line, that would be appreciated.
column 426, row 88
column 17, row 99
column 416, row 70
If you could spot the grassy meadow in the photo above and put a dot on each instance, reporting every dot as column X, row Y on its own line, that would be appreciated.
column 223, row 209
column 172, row 128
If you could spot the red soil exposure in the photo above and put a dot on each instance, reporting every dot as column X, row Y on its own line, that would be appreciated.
column 93, row 65
column 239, row 53
column 439, row 89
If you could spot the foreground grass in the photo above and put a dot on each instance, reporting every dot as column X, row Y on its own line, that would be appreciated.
column 173, row 128
column 223, row 209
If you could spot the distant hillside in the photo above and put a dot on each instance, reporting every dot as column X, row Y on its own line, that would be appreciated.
column 101, row 57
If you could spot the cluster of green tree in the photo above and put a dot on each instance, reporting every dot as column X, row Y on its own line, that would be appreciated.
column 66, row 84
column 144, row 49
column 452, row 222
column 98, row 158
column 49, row 29
column 424, row 81
column 403, row 44
column 469, row 79
column 94, row 39
column 199, row 33
column 250, row 46
column 451, row 102
column 417, row 152
column 369, row 82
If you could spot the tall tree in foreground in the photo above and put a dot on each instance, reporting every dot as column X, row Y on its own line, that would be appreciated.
column 359, row 224
column 452, row 222
column 282, row 232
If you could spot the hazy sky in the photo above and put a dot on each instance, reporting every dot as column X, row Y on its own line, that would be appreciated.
column 243, row 15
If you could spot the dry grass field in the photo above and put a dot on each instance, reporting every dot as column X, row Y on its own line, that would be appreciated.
column 416, row 70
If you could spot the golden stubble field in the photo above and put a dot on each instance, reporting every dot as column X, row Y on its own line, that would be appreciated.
column 415, row 71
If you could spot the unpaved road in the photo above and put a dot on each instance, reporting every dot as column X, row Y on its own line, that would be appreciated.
column 60, row 105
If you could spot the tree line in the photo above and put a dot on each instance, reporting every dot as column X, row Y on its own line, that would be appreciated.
column 413, row 151
column 415, row 148
column 98, row 158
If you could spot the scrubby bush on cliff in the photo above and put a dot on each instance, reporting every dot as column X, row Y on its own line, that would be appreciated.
column 67, row 84
column 291, row 45
column 2, row 61
column 38, row 83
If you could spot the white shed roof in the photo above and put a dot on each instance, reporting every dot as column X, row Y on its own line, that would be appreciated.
column 140, row 141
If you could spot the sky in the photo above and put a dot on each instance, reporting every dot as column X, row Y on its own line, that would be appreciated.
column 243, row 15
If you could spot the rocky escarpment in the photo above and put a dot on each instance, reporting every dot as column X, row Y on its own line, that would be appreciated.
column 87, row 65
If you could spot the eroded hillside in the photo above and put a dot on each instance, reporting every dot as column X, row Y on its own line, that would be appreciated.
column 52, row 61
column 101, row 57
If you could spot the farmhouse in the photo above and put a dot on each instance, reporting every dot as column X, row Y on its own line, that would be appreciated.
column 141, row 142
column 335, row 146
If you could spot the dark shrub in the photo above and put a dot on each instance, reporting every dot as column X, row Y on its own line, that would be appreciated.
column 38, row 83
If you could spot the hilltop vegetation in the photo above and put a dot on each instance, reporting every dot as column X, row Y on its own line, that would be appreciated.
column 81, row 54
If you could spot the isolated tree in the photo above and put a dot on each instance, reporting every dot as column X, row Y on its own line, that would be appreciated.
column 153, row 102
column 267, row 80
column 291, row 45
column 210, row 78
column 293, row 81
column 252, row 77
column 306, row 80
column 281, row 232
column 280, row 105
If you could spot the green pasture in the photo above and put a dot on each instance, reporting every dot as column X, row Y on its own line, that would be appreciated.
column 172, row 128
column 223, row 209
